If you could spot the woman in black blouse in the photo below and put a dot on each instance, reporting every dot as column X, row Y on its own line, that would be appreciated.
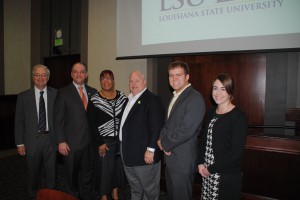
column 104, row 118
column 221, row 149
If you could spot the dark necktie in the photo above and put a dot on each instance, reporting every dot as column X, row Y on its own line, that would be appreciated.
column 42, row 114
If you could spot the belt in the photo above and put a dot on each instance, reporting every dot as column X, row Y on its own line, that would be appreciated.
column 43, row 133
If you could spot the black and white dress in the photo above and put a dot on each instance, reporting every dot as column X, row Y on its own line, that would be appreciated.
column 210, row 185
column 104, row 118
column 221, row 151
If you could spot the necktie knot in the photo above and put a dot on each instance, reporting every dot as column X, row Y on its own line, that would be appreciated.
column 41, row 92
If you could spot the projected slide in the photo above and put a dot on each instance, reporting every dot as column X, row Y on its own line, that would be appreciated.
column 166, row 21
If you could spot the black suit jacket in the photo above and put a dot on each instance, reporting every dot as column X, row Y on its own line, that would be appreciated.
column 70, row 122
column 26, row 119
column 141, row 129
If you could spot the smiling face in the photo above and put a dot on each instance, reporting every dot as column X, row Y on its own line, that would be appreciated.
column 219, row 93
column 107, row 82
column 137, row 83
column 178, row 79
column 40, row 77
column 79, row 73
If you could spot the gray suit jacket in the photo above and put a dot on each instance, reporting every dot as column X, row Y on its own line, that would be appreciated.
column 26, row 119
column 180, row 132
column 70, row 120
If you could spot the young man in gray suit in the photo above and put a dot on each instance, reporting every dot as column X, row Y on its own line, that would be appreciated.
column 141, row 123
column 178, row 137
column 34, row 134
column 72, row 132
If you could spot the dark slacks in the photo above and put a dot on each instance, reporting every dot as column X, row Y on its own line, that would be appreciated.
column 78, row 172
column 43, row 157
column 179, row 185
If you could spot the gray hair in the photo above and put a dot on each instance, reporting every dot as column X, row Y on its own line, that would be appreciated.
column 41, row 66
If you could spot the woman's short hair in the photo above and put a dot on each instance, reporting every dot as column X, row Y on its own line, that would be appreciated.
column 107, row 72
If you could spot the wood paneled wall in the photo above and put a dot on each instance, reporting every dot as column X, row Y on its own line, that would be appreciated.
column 271, row 164
column 271, row 167
column 248, row 72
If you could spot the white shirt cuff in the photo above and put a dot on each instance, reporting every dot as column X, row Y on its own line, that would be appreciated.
column 151, row 149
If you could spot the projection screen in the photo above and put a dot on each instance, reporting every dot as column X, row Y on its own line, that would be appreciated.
column 147, row 28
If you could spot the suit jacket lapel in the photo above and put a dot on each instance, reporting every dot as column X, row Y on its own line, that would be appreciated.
column 136, row 105
column 75, row 93
column 89, row 94
column 33, row 104
column 88, row 91
column 179, row 100
column 50, row 101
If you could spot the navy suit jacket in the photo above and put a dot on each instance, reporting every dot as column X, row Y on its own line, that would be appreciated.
column 141, row 129
column 70, row 122
column 26, row 119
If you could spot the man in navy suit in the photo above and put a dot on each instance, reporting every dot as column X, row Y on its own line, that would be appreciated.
column 72, row 132
column 37, row 143
column 178, row 137
column 141, row 123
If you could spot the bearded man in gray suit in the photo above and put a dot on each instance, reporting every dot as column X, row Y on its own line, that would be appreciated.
column 37, row 142
column 178, row 137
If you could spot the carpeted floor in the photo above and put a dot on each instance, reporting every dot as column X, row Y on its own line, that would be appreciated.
column 13, row 180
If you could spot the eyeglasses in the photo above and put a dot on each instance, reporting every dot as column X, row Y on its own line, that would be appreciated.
column 40, row 75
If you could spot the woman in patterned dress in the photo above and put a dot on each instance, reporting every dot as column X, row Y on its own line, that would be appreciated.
column 221, row 149
column 104, row 118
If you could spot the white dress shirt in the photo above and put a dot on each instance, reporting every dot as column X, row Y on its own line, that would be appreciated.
column 131, row 101
column 175, row 97
column 37, row 101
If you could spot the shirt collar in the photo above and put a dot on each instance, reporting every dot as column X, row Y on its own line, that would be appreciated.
column 176, row 94
column 77, row 86
column 130, row 96
column 36, row 90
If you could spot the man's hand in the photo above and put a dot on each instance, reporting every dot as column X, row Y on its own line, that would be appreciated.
column 21, row 150
column 159, row 145
column 149, row 157
column 161, row 148
column 63, row 148
column 102, row 149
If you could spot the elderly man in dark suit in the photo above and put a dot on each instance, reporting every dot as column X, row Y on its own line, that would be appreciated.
column 141, row 123
column 72, row 132
column 34, row 134
column 178, row 138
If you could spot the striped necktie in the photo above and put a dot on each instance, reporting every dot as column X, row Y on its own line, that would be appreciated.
column 42, row 114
